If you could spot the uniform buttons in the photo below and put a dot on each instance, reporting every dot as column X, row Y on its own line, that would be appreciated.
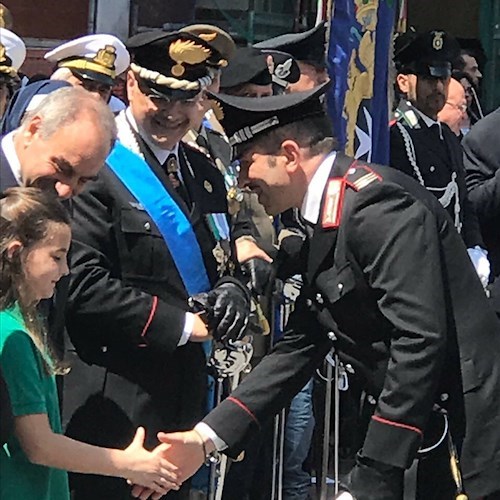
column 432, row 168
column 444, row 397
column 319, row 298
column 332, row 336
column 147, row 226
column 309, row 302
column 104, row 348
column 371, row 399
column 340, row 286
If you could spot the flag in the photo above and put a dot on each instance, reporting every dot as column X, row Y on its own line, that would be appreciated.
column 359, row 49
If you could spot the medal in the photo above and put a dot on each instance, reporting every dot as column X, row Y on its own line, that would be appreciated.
column 221, row 257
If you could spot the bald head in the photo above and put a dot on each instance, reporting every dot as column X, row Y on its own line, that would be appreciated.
column 454, row 111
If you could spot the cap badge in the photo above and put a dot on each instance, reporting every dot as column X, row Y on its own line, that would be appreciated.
column 186, row 52
column 437, row 41
column 106, row 57
column 2, row 53
column 283, row 70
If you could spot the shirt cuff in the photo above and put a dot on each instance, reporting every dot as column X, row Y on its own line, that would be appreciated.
column 207, row 432
column 188, row 329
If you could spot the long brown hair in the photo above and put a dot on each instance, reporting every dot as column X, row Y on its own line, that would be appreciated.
column 25, row 216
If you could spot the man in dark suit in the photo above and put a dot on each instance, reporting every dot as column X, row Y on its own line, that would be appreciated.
column 389, row 284
column 421, row 145
column 148, row 234
column 482, row 164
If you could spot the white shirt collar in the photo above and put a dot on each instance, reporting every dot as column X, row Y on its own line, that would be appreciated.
column 312, row 200
column 160, row 154
column 10, row 154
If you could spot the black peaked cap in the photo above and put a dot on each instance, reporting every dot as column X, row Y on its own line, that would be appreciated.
column 248, row 65
column 308, row 46
column 243, row 118
column 428, row 54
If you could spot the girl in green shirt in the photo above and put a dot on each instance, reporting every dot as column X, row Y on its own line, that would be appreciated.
column 34, row 241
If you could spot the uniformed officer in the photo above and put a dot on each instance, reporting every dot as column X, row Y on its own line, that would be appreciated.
column 388, row 283
column 93, row 62
column 12, row 56
column 308, row 49
column 422, row 146
column 482, row 165
column 151, row 232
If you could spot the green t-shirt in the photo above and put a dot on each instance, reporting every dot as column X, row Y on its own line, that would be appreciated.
column 32, row 391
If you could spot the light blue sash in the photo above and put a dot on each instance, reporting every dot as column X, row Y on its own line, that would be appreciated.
column 173, row 224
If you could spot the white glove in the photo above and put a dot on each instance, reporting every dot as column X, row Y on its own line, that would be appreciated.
column 479, row 258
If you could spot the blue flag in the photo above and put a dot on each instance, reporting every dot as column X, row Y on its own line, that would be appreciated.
column 359, row 48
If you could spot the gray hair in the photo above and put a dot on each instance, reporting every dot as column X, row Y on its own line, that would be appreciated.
column 66, row 105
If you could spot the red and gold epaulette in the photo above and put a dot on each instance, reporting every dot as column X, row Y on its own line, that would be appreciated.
column 332, row 207
column 357, row 177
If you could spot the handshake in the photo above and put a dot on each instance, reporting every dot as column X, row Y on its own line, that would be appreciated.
column 225, row 310
column 182, row 453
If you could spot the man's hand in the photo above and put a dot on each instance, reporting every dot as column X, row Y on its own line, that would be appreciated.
column 247, row 248
column 186, row 450
column 226, row 309
column 260, row 272
column 200, row 331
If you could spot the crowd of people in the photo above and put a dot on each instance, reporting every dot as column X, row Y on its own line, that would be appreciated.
column 154, row 192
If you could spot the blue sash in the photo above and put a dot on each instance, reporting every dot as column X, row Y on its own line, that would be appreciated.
column 173, row 224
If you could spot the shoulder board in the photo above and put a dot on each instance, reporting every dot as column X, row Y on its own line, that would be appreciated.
column 359, row 176
column 334, row 200
column 193, row 146
column 408, row 117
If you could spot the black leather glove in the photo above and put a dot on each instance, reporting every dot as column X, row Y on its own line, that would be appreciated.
column 226, row 309
column 371, row 480
column 260, row 273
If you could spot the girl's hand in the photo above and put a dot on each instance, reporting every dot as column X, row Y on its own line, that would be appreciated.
column 148, row 468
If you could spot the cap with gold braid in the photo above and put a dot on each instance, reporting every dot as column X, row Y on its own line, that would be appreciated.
column 175, row 65
column 12, row 53
column 219, row 39
column 94, row 57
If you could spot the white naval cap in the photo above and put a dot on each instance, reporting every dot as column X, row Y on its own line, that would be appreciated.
column 12, row 53
column 98, row 57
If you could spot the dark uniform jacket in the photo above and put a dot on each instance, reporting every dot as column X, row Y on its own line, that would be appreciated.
column 127, row 306
column 482, row 164
column 395, row 286
column 437, row 160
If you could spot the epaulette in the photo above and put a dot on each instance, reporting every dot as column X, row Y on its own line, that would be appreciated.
column 190, row 140
column 357, row 177
column 409, row 117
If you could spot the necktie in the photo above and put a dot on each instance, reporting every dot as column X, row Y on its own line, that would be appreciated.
column 172, row 168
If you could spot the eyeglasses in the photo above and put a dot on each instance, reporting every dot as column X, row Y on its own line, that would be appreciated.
column 460, row 107
column 161, row 99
